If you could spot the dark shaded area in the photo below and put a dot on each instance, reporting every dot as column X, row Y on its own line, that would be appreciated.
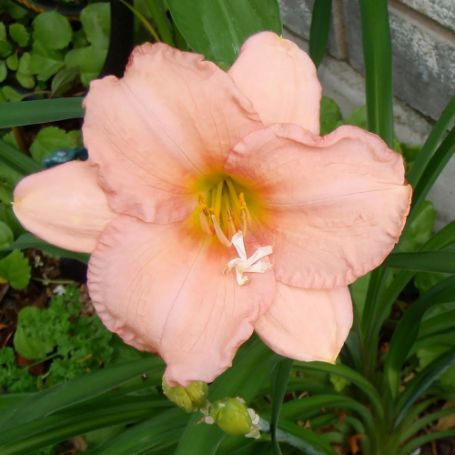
column 122, row 39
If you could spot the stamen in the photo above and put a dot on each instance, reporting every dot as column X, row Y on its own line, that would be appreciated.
column 216, row 206
column 219, row 232
column 244, row 264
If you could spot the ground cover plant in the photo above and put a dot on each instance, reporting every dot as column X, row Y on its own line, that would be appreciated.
column 69, row 385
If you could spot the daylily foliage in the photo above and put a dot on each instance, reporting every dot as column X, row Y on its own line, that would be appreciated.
column 213, row 208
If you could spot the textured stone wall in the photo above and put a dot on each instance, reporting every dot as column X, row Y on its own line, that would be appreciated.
column 423, row 41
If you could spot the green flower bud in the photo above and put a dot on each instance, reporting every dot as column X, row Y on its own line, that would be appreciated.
column 190, row 398
column 234, row 418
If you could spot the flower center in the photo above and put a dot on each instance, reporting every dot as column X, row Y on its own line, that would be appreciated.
column 224, row 207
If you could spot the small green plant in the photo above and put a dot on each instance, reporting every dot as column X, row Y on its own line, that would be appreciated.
column 67, row 342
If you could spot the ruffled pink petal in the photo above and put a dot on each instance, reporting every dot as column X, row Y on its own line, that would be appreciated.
column 280, row 79
column 164, row 291
column 307, row 324
column 64, row 206
column 152, row 132
column 336, row 205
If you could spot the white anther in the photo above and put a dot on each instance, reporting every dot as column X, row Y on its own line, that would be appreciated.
column 244, row 264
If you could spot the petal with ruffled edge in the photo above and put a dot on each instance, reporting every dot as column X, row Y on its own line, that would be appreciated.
column 280, row 79
column 336, row 205
column 64, row 206
column 162, row 290
column 152, row 132
column 307, row 324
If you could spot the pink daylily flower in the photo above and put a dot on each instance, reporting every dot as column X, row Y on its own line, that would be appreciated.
column 212, row 207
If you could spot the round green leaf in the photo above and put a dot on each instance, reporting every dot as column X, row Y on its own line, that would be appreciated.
column 95, row 19
column 45, row 62
column 25, row 80
column 25, row 64
column 12, row 62
column 29, row 341
column 5, row 48
column 88, row 60
column 15, row 270
column 330, row 115
column 6, row 235
column 11, row 94
column 2, row 31
column 3, row 71
column 50, row 139
column 52, row 29
column 19, row 34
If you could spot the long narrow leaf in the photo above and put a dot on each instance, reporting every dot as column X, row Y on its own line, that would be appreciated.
column 280, row 380
column 159, row 431
column 377, row 53
column 23, row 113
column 407, row 330
column 17, row 160
column 352, row 376
column 435, row 166
column 428, row 261
column 78, row 390
column 431, row 144
column 26, row 241
column 422, row 381
column 307, row 441
column 319, row 30
column 39, row 433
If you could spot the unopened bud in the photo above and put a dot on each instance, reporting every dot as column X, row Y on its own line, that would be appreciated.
column 234, row 418
column 190, row 398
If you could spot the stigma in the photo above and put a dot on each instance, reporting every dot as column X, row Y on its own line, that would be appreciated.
column 244, row 264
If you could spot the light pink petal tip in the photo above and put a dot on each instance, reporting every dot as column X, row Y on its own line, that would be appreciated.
column 64, row 206
column 307, row 324
column 152, row 132
column 163, row 291
column 337, row 204
column 280, row 79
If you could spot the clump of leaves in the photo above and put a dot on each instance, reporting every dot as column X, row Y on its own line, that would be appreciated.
column 72, row 342
column 54, row 56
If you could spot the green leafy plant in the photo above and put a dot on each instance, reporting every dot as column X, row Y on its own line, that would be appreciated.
column 71, row 343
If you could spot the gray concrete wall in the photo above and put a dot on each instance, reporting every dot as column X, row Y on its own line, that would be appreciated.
column 423, row 42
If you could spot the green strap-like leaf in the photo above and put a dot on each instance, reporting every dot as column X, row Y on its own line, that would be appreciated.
column 422, row 381
column 307, row 441
column 377, row 53
column 352, row 376
column 26, row 241
column 39, row 433
column 160, row 431
column 427, row 261
column 432, row 170
column 280, row 380
column 16, row 159
column 319, row 30
column 78, row 390
column 22, row 113
column 431, row 144
column 407, row 330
